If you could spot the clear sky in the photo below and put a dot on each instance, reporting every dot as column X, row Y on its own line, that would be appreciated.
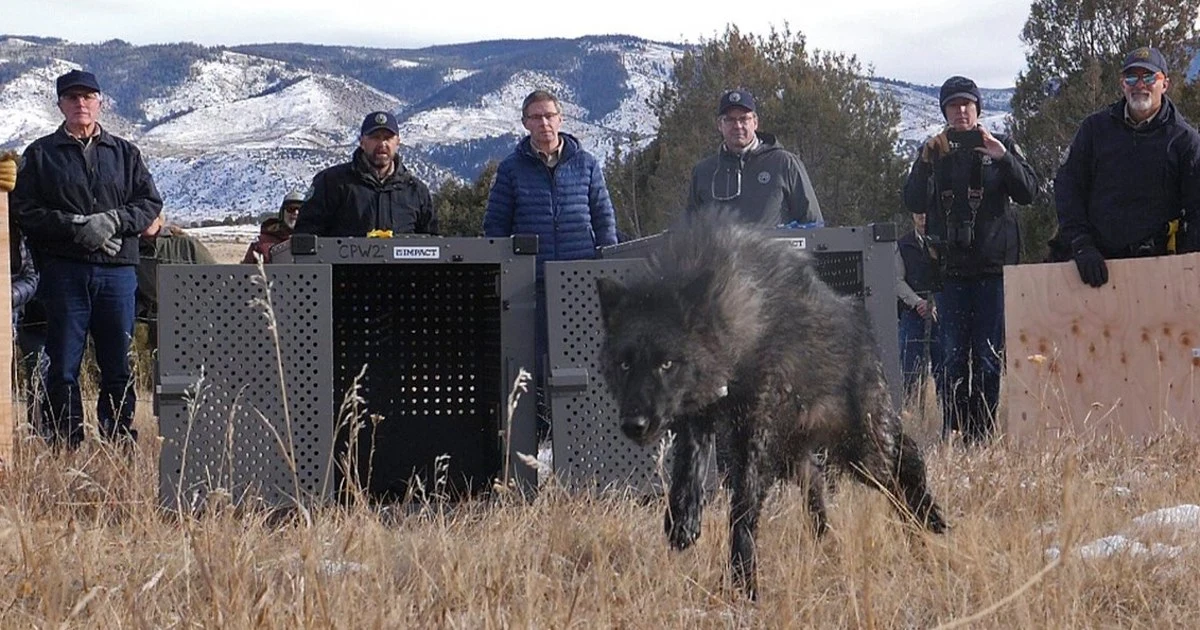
column 922, row 41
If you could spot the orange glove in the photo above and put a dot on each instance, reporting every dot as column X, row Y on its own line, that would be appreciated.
column 935, row 147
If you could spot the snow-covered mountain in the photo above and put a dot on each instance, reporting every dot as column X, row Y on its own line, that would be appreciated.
column 227, row 131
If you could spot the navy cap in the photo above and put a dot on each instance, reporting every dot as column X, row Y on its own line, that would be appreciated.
column 959, row 87
column 735, row 98
column 379, row 120
column 77, row 79
column 1145, row 57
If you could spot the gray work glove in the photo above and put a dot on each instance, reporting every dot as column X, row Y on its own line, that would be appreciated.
column 93, row 229
column 112, row 246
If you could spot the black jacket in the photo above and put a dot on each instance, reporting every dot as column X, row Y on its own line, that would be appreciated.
column 767, row 185
column 348, row 200
column 55, row 185
column 1122, row 185
column 996, row 236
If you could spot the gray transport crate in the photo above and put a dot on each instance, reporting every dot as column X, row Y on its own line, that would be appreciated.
column 442, row 325
column 589, row 450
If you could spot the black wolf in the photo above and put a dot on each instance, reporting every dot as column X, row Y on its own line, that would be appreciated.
column 732, row 338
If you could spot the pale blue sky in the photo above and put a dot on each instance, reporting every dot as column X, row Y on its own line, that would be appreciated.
column 916, row 40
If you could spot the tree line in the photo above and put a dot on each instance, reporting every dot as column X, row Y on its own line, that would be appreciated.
column 821, row 107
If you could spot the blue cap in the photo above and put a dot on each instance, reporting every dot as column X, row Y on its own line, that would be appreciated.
column 1145, row 57
column 77, row 79
column 379, row 120
column 735, row 98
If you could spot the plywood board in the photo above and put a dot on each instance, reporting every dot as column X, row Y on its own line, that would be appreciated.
column 1120, row 360
column 6, row 340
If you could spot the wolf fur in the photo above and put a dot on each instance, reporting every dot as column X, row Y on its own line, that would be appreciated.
column 731, row 338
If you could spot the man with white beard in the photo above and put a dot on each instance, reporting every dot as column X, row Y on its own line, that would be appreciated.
column 1132, row 175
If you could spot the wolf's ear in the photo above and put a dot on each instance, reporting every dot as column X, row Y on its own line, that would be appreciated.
column 697, row 292
column 612, row 294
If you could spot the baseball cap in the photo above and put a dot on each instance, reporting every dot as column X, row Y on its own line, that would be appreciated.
column 77, row 79
column 1145, row 57
column 379, row 120
column 735, row 98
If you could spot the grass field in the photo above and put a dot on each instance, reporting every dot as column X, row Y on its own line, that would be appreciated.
column 83, row 544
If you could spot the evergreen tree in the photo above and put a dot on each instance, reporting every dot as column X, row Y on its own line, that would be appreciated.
column 1074, row 54
column 460, row 206
column 816, row 103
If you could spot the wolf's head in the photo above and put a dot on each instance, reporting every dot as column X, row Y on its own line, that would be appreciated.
column 666, row 352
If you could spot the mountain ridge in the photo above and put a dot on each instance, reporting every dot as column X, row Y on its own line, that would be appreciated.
column 227, row 130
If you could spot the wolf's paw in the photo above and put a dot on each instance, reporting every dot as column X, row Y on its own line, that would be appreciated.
column 682, row 531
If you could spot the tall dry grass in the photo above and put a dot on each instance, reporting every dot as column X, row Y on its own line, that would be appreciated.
column 83, row 543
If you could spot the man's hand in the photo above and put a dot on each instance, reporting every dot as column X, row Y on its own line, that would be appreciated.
column 8, row 171
column 1090, row 261
column 91, row 231
column 992, row 147
column 935, row 147
column 924, row 309
column 112, row 246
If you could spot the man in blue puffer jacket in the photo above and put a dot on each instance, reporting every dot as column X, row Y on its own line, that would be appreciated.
column 551, row 187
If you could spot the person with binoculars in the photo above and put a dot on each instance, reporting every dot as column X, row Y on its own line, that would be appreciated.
column 963, row 182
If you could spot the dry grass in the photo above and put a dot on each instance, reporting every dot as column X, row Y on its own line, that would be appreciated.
column 85, row 545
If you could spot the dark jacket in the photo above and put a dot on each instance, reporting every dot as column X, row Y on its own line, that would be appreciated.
column 24, row 277
column 172, row 246
column 272, row 232
column 920, row 273
column 767, row 185
column 348, row 200
column 995, row 238
column 56, row 185
column 1122, row 185
column 566, row 206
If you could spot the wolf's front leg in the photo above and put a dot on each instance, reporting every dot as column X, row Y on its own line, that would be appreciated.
column 682, row 522
column 749, row 491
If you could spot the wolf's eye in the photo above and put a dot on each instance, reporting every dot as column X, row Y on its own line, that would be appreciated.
column 625, row 366
column 666, row 365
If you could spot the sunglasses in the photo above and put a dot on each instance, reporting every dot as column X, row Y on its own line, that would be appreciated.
column 1146, row 79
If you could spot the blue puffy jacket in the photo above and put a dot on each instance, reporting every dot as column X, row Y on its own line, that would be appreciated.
column 567, row 206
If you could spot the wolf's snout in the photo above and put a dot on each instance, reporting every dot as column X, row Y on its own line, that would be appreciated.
column 635, row 427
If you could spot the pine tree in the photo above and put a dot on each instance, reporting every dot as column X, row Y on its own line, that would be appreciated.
column 460, row 206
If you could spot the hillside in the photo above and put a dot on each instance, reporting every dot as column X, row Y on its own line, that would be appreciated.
column 228, row 130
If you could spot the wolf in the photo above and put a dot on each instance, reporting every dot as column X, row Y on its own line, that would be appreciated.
column 732, row 340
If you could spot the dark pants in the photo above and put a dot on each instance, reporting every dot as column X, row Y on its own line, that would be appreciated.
column 916, row 344
column 971, row 314
column 82, row 298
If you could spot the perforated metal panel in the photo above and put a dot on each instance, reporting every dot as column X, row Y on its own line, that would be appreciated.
column 431, row 340
column 589, row 450
column 220, row 400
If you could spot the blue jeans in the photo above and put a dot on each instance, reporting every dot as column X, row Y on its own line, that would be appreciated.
column 971, row 314
column 82, row 298
column 915, row 341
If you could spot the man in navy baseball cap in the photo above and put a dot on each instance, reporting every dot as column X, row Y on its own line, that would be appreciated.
column 373, row 191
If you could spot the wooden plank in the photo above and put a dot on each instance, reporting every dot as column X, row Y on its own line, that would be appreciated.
column 7, row 413
column 1118, row 361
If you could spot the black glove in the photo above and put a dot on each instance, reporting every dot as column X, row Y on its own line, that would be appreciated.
column 1090, row 261
column 92, row 230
